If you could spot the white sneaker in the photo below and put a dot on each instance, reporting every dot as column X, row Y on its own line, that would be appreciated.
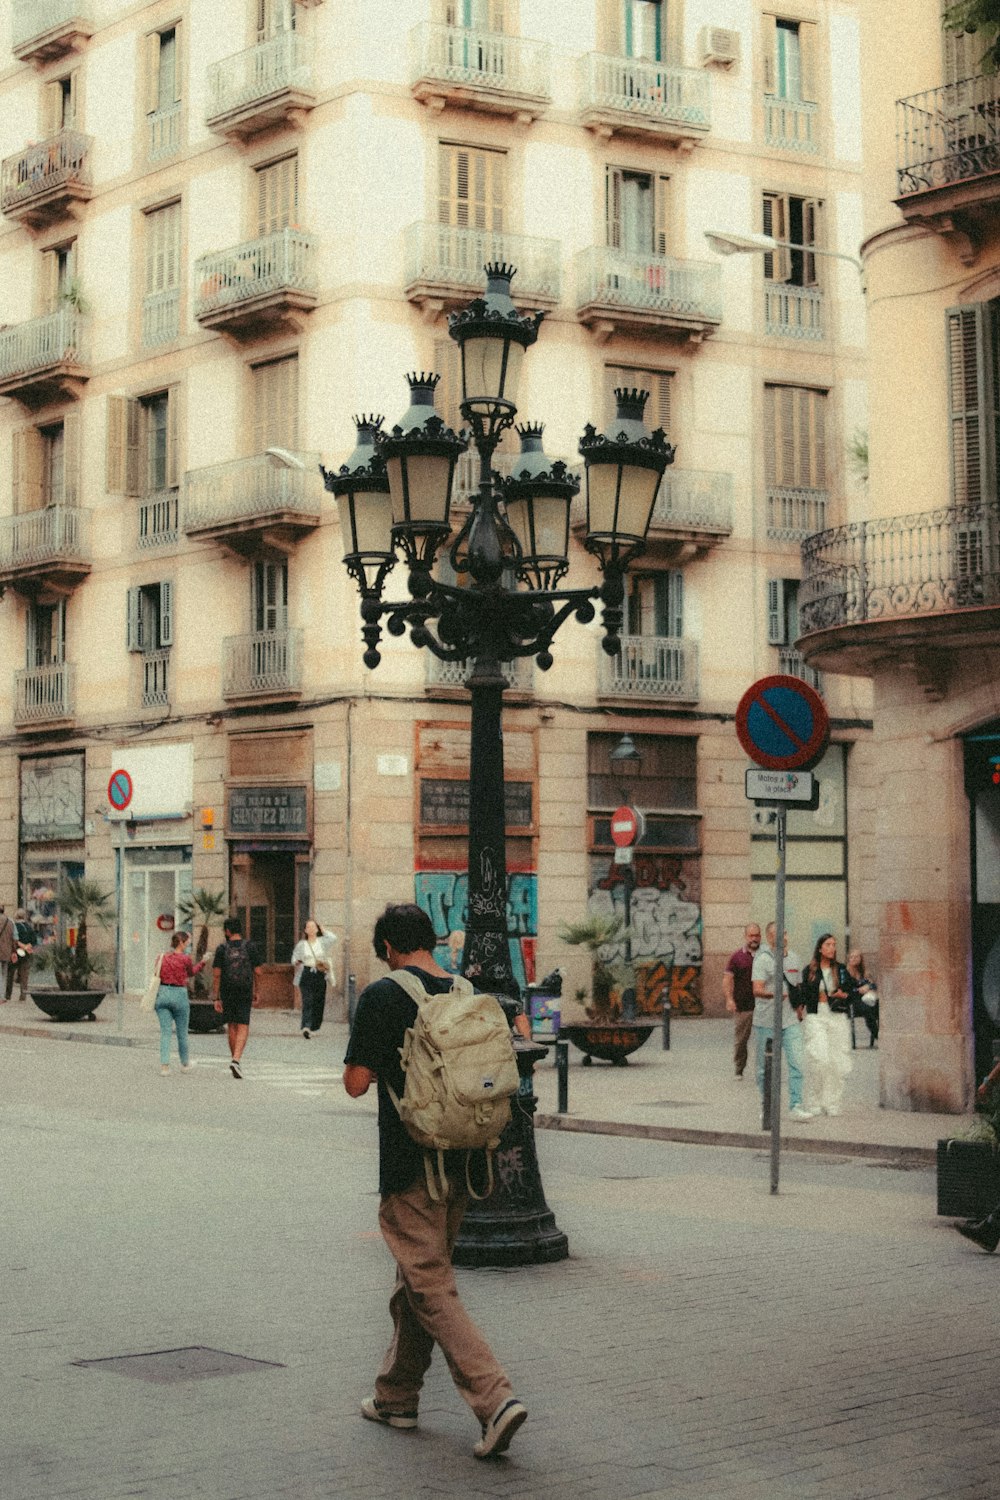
column 186, row 1067
column 500, row 1428
column 800, row 1114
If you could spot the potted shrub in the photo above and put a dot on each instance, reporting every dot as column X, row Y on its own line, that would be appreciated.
column 607, row 1033
column 209, row 908
column 968, row 1167
column 81, row 903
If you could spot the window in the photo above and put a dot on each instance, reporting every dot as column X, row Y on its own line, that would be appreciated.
column 149, row 623
column 161, row 302
column 470, row 187
column 46, row 464
column 666, row 775
column 58, row 282
column 477, row 15
column 636, row 211
column 795, row 437
column 796, row 220
column 60, row 104
column 276, row 405
column 643, row 29
column 656, row 604
column 269, row 596
column 46, row 637
column 163, row 90
column 274, row 17
column 973, row 350
column 782, row 611
column 790, row 59
column 277, row 195
column 656, row 382
column 141, row 457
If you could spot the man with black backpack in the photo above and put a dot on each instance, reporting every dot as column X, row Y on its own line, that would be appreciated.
column 420, row 1226
column 234, row 969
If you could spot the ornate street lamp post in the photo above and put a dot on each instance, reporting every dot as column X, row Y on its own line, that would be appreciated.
column 394, row 495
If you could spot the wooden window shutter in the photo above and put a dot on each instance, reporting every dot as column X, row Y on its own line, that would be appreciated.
column 817, row 440
column 613, row 207
column 51, row 108
column 497, row 16
column 151, row 71
column 135, row 468
column 486, row 189
column 133, row 620
column 59, row 632
column 277, row 195
column 276, row 405
column 114, row 446
column 808, row 62
column 179, row 60
column 973, row 444
column 776, row 632
column 166, row 633
column 812, row 230
column 777, row 263
column 163, row 227
column 962, row 52
column 661, row 227
column 71, row 458
column 769, row 44
column 173, row 469
column 658, row 406
column 786, row 445
column 28, row 469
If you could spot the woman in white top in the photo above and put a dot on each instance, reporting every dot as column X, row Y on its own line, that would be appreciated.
column 826, row 992
column 313, row 962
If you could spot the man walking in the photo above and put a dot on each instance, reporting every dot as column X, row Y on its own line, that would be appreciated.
column 8, row 936
column 763, row 980
column 737, row 986
column 234, row 974
column 419, row 1230
column 19, row 967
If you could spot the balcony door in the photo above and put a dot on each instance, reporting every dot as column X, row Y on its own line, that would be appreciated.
column 46, row 637
column 636, row 212
column 276, row 405
column 269, row 596
column 644, row 29
column 274, row 17
column 656, row 605
column 973, row 351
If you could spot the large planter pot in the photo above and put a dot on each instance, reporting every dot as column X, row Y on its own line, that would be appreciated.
column 610, row 1041
column 68, row 1005
column 204, row 1017
column 968, row 1179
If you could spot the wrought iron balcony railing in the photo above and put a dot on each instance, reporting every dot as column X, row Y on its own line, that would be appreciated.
column 899, row 566
column 793, row 312
column 948, row 135
column 792, row 663
column 43, row 695
column 475, row 62
column 156, row 678
column 653, row 284
column 248, row 489
column 164, row 132
column 158, row 519
column 520, row 673
column 41, row 343
column 38, row 537
column 59, row 166
column 791, row 125
column 161, row 316
column 278, row 262
column 32, row 22
column 649, row 95
column 793, row 514
column 441, row 258
column 262, row 664
column 240, row 84
column 694, row 500
column 657, row 667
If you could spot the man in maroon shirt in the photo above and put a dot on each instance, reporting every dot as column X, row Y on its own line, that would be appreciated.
column 738, row 990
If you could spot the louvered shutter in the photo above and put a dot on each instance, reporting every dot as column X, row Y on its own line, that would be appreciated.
column 27, row 469
column 173, row 468
column 179, row 60
column 151, row 71
column 972, row 400
column 58, row 638
column 777, row 263
column 808, row 83
column 276, row 400
column 163, row 248
column 51, row 108
column 661, row 204
column 133, row 620
column 166, row 613
column 613, row 207
column 277, row 195
column 114, row 445
column 448, row 394
column 962, row 53
column 776, row 633
column 71, row 458
column 134, row 468
column 812, row 233
column 769, row 45
column 470, row 187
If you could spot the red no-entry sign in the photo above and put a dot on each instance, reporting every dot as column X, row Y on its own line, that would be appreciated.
column 626, row 826
column 782, row 724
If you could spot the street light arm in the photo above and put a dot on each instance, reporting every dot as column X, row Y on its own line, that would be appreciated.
column 725, row 243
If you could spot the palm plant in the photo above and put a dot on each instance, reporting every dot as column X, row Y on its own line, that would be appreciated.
column 596, row 932
column 207, row 906
column 81, row 901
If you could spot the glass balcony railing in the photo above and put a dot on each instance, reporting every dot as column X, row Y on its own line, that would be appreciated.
column 446, row 58
column 447, row 258
column 661, row 668
column 644, row 95
column 262, row 663
column 44, row 694
column 948, row 135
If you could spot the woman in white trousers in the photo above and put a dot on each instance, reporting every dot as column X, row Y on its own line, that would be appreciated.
column 826, row 993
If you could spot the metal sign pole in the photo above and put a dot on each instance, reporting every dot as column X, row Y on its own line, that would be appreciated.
column 779, row 1000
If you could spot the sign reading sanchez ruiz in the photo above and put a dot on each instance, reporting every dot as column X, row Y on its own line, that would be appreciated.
column 256, row 811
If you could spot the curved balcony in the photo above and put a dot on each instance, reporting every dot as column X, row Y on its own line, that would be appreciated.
column 650, row 668
column 267, row 85
column 43, row 360
column 46, row 181
column 44, row 697
column 47, row 548
column 258, row 287
column 41, row 30
column 899, row 585
column 647, row 292
column 948, row 148
column 444, row 265
column 263, row 664
column 249, row 505
column 620, row 95
column 476, row 69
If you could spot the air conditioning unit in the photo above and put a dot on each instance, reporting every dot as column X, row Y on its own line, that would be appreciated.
column 718, row 45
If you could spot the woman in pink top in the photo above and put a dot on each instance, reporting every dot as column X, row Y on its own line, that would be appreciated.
column 173, row 1008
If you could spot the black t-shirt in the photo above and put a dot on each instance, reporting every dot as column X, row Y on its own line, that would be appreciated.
column 236, row 968
column 380, row 1022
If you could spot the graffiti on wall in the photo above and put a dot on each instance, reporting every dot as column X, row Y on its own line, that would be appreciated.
column 665, row 926
column 443, row 895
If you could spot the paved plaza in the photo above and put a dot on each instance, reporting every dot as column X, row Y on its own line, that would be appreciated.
column 705, row 1340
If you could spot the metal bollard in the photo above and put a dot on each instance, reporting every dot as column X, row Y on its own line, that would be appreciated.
column 765, row 1119
column 666, row 1025
column 562, row 1076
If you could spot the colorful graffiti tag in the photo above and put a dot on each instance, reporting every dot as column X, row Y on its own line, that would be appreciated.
column 443, row 895
column 665, row 926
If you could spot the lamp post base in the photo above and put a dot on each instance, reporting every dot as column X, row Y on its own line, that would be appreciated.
column 514, row 1226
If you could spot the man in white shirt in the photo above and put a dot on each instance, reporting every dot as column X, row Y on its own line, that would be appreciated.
column 762, row 978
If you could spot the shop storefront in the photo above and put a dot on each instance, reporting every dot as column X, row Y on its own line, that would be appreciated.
column 51, row 838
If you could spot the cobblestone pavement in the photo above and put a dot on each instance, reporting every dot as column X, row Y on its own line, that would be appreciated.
column 705, row 1341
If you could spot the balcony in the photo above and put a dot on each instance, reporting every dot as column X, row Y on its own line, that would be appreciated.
column 693, row 512
column 42, row 360
column 161, row 317
column 948, row 149
column 163, row 128
column 266, row 86
column 47, row 181
column 619, row 95
column 44, row 697
column 793, row 312
column 45, row 549
column 793, row 514
column 466, row 484
column 249, row 506
column 792, row 663
column 41, row 30
column 647, row 293
column 158, row 520
column 791, row 125
column 155, row 678
column 900, row 586
column 475, row 69
column 259, row 287
column 651, row 669
column 265, row 664
column 519, row 674
column 444, row 265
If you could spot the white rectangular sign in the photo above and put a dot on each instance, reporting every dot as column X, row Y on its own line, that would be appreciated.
column 778, row 786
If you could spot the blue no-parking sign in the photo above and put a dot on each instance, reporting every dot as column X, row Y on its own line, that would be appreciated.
column 782, row 724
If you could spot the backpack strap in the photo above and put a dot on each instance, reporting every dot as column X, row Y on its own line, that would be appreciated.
column 489, row 1176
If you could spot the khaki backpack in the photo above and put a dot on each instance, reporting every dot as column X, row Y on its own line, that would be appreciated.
column 460, row 1075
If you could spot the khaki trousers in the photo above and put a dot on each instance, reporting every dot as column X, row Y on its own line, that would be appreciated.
column 742, row 1027
column 425, row 1306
